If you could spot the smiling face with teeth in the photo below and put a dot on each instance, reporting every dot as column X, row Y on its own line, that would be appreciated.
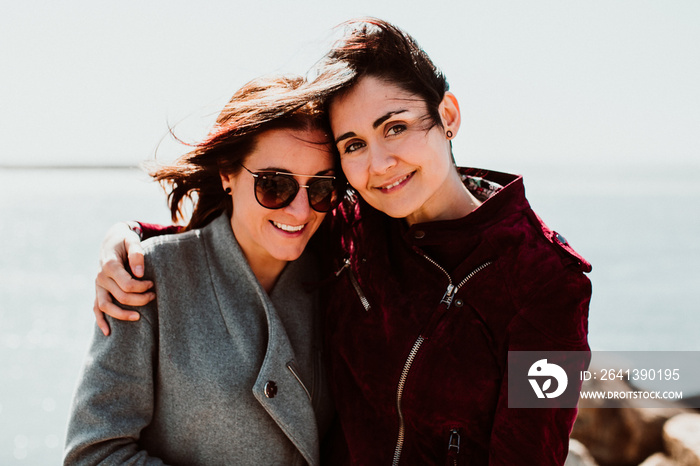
column 270, row 238
column 394, row 155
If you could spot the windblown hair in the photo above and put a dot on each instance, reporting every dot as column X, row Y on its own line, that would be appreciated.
column 373, row 47
column 262, row 104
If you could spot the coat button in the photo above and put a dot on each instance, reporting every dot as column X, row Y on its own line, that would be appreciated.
column 270, row 389
column 420, row 234
column 459, row 303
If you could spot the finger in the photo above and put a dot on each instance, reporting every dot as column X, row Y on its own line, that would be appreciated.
column 100, row 318
column 105, row 305
column 134, row 253
column 112, row 289
column 114, row 271
column 118, row 313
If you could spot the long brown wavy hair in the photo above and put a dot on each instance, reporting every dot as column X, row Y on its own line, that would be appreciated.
column 262, row 104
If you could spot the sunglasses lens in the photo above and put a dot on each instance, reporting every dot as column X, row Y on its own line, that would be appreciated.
column 323, row 195
column 275, row 191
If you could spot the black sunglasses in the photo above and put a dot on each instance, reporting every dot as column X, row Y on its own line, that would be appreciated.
column 274, row 190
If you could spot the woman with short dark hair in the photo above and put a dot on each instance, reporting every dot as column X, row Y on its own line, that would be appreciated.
column 445, row 271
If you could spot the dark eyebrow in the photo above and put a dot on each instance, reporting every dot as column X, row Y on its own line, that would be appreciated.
column 325, row 172
column 383, row 118
column 345, row 136
column 375, row 125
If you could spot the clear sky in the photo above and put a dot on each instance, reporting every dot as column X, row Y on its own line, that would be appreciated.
column 546, row 81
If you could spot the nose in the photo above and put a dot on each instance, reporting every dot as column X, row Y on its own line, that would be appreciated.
column 380, row 160
column 300, row 208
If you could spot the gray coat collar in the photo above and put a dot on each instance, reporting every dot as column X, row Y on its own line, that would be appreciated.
column 291, row 407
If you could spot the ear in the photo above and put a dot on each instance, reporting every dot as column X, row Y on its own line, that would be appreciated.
column 450, row 114
column 226, row 180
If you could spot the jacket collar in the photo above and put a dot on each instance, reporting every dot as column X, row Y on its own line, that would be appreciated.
column 233, row 279
column 501, row 194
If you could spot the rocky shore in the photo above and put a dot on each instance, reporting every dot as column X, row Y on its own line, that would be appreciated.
column 623, row 433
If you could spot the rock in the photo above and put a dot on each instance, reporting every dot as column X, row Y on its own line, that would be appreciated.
column 682, row 438
column 619, row 432
column 579, row 455
column 659, row 459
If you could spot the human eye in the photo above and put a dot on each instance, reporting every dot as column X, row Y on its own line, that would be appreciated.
column 352, row 146
column 396, row 129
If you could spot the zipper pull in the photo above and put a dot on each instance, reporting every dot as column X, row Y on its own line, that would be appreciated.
column 453, row 446
column 346, row 264
column 454, row 441
column 448, row 296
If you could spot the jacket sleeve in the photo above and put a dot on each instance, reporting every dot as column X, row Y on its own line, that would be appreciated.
column 114, row 398
column 150, row 230
column 556, row 319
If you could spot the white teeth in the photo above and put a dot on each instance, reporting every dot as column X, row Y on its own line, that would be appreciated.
column 289, row 228
column 396, row 183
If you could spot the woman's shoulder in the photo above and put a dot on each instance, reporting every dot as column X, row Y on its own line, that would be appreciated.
column 533, row 244
column 544, row 280
column 175, row 244
column 176, row 254
column 177, row 264
column 171, row 242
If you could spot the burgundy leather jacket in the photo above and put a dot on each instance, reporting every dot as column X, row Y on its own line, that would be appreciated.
column 421, row 320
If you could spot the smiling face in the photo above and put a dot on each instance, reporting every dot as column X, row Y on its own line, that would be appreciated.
column 269, row 238
column 392, row 153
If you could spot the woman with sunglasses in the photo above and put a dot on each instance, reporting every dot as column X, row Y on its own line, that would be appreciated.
column 223, row 367
column 441, row 271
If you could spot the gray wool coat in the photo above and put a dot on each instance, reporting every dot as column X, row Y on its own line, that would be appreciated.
column 214, row 372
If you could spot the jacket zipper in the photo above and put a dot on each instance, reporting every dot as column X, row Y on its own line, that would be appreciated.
column 447, row 300
column 453, row 447
column 451, row 289
column 355, row 284
column 399, row 394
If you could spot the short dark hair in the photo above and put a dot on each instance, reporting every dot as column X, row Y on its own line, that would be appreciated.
column 263, row 104
column 373, row 47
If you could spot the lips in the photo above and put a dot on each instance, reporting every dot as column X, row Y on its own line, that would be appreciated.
column 396, row 183
column 288, row 228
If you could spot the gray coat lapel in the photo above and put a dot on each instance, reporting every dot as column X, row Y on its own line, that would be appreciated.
column 289, row 406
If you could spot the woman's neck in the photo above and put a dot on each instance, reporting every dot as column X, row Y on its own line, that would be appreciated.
column 266, row 268
column 267, row 272
column 452, row 201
